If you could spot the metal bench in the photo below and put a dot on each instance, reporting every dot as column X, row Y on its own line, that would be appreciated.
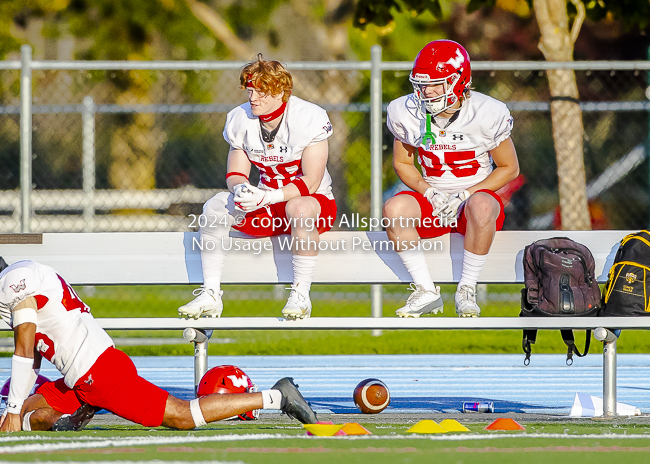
column 347, row 258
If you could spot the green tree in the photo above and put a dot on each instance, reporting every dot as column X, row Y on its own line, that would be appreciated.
column 559, row 23
column 114, row 30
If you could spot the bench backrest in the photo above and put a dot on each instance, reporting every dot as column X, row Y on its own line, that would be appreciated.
column 140, row 258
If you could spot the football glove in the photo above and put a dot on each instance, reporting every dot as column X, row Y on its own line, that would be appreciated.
column 250, row 198
column 435, row 197
column 241, row 191
column 449, row 209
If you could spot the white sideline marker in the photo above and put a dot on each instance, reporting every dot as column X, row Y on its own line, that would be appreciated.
column 585, row 405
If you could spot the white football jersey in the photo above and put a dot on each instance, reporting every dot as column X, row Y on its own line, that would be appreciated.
column 455, row 157
column 280, row 162
column 66, row 333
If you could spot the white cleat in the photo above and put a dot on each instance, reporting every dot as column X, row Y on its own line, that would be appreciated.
column 466, row 302
column 206, row 304
column 421, row 302
column 298, row 305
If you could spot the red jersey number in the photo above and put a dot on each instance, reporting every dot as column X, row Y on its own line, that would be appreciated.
column 279, row 175
column 44, row 345
column 71, row 300
column 456, row 160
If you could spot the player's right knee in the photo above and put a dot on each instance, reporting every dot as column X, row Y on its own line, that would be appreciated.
column 392, row 208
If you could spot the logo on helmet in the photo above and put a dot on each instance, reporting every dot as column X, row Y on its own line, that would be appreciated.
column 241, row 382
column 458, row 60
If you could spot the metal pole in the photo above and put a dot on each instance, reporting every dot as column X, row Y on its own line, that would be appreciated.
column 609, row 378
column 200, row 339
column 88, row 162
column 609, row 369
column 25, row 138
column 376, row 177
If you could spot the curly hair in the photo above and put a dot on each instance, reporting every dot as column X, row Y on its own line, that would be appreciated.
column 269, row 77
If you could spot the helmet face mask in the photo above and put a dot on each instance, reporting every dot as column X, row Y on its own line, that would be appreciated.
column 437, row 103
column 444, row 63
column 227, row 380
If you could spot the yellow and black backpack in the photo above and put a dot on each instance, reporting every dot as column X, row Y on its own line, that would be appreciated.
column 627, row 291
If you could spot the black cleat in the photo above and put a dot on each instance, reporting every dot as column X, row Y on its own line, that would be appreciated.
column 293, row 403
column 75, row 421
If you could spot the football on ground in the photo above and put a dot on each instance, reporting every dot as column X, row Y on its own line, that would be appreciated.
column 371, row 396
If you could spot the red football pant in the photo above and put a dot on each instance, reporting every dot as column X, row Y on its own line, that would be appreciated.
column 431, row 231
column 259, row 223
column 112, row 383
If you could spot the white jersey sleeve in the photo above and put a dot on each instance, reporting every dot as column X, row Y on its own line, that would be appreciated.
column 393, row 123
column 22, row 283
column 66, row 333
column 502, row 128
column 317, row 123
column 233, row 131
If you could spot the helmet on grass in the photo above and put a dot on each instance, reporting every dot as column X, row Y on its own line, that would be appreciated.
column 228, row 379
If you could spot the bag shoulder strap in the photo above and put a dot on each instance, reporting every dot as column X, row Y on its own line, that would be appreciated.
column 530, row 337
column 569, row 340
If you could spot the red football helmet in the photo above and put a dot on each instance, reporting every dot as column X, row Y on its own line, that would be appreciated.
column 4, row 392
column 228, row 379
column 441, row 62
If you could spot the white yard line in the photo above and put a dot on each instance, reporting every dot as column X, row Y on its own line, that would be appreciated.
column 93, row 443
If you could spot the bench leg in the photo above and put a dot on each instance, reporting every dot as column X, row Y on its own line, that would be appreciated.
column 200, row 339
column 609, row 370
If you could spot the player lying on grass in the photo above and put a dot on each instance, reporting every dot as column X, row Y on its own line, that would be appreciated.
column 49, row 320
column 286, row 139
column 456, row 136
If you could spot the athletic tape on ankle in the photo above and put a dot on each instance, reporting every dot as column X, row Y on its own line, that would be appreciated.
column 27, row 427
column 197, row 415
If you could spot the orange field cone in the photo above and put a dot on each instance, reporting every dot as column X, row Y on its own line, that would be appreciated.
column 504, row 424
column 451, row 425
column 426, row 426
column 324, row 429
column 353, row 428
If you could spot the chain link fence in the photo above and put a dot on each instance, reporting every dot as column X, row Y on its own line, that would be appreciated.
column 140, row 149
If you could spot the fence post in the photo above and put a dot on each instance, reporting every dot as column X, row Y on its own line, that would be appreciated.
column 88, row 162
column 25, row 138
column 376, row 178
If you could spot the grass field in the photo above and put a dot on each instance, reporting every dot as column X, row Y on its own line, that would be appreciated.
column 284, row 441
column 162, row 301
column 287, row 443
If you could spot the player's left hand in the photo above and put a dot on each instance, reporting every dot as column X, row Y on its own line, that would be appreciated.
column 11, row 423
column 449, row 209
column 257, row 198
